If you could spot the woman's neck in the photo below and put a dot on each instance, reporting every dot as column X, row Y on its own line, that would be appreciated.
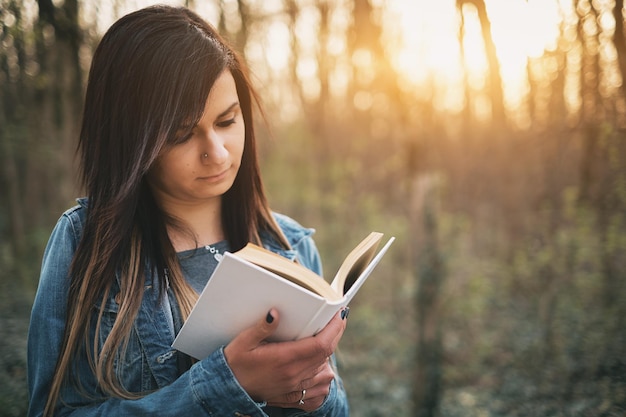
column 203, row 220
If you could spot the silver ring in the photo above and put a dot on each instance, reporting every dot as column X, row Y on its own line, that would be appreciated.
column 301, row 402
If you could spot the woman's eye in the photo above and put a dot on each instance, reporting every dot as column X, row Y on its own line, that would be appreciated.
column 226, row 123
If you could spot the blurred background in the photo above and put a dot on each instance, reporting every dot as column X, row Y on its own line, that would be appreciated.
column 488, row 136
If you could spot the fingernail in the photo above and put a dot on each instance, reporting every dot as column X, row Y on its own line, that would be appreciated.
column 344, row 313
column 269, row 318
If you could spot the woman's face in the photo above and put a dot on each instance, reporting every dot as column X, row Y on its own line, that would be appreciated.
column 203, row 167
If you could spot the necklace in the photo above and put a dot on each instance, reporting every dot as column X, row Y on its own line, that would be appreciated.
column 216, row 253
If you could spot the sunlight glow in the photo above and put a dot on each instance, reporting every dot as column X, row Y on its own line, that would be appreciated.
column 427, row 50
column 421, row 42
column 277, row 46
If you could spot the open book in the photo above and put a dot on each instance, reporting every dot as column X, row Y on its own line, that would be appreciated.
column 248, row 283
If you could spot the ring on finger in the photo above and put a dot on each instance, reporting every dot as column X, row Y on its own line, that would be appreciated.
column 301, row 402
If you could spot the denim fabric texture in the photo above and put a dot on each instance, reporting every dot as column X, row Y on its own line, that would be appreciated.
column 150, row 366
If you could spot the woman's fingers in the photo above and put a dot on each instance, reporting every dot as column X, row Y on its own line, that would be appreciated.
column 313, row 393
column 252, row 337
column 279, row 371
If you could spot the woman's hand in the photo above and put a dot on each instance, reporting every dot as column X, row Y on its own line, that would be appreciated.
column 282, row 373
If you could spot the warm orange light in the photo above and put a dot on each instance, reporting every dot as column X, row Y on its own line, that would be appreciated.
column 429, row 48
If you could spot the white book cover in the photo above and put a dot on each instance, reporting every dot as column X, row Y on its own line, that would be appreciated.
column 240, row 293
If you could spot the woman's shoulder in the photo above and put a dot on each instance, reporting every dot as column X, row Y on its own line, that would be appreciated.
column 67, row 231
column 292, row 229
column 300, row 240
column 74, row 217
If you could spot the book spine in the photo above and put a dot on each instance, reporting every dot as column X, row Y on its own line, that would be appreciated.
column 319, row 320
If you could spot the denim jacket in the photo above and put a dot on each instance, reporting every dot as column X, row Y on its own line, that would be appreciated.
column 208, row 388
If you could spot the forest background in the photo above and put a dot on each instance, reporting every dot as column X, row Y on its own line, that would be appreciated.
column 487, row 136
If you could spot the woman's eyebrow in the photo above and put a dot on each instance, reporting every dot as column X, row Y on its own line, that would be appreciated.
column 228, row 110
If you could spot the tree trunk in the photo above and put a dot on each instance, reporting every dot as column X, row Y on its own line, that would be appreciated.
column 620, row 41
column 427, row 375
column 591, row 109
column 495, row 79
column 60, row 106
column 244, row 33
column 467, row 108
column 13, row 102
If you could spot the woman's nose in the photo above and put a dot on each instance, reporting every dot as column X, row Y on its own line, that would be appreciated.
column 214, row 151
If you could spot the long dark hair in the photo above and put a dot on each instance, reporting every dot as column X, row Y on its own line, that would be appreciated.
column 151, row 74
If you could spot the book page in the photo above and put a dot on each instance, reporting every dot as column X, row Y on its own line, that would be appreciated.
column 366, row 273
column 294, row 272
column 355, row 263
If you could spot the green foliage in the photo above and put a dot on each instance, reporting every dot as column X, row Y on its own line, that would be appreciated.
column 13, row 391
column 539, row 330
column 14, row 314
column 529, row 321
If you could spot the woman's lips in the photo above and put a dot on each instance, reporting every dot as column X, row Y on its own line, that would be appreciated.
column 216, row 177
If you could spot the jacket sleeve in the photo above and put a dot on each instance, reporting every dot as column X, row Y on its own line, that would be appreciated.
column 47, row 321
column 207, row 389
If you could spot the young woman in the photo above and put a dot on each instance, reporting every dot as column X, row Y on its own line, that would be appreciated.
column 169, row 164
